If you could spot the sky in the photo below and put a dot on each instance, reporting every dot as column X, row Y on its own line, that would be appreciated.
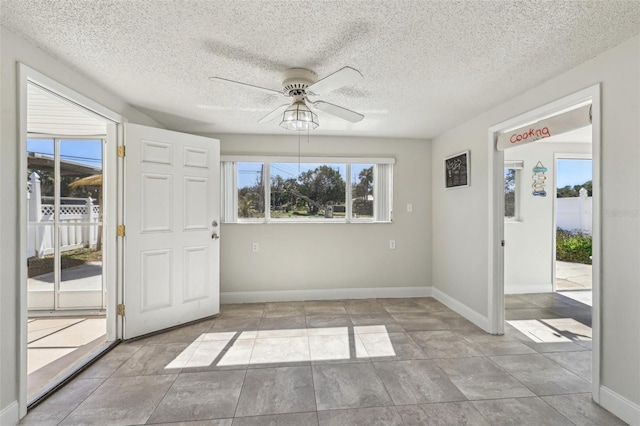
column 87, row 152
column 574, row 172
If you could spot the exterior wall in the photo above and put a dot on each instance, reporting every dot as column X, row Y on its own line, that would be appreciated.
column 528, row 254
column 334, row 255
column 460, row 217
column 14, row 50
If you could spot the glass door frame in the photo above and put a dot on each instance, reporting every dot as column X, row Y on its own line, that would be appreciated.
column 57, row 223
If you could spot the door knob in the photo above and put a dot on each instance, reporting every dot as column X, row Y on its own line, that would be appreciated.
column 215, row 236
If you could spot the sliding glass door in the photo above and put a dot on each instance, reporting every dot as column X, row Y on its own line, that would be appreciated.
column 65, row 207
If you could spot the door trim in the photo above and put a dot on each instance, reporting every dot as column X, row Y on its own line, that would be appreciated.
column 114, row 120
column 496, row 215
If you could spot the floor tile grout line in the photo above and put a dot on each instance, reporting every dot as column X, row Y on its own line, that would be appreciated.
column 83, row 399
column 557, row 411
column 225, row 349
column 244, row 377
column 163, row 396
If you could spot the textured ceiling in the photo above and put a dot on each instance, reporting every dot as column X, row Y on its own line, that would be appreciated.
column 428, row 65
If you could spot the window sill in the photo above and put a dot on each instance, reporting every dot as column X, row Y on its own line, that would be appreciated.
column 303, row 221
column 513, row 221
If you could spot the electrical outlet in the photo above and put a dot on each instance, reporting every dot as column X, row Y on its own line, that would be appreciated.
column 255, row 247
column 392, row 244
column 409, row 208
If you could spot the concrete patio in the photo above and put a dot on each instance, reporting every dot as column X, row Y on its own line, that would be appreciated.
column 56, row 344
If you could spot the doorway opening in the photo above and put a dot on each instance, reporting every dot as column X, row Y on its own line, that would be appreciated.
column 574, row 227
column 524, row 302
column 68, row 280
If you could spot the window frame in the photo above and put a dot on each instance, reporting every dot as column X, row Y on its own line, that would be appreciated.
column 517, row 166
column 382, row 171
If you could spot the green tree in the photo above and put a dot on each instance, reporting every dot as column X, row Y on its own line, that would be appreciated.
column 509, row 193
column 251, row 200
column 323, row 185
column 574, row 191
column 282, row 196
column 363, row 193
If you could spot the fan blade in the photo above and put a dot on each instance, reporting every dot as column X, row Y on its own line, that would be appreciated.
column 273, row 114
column 338, row 111
column 263, row 89
column 343, row 77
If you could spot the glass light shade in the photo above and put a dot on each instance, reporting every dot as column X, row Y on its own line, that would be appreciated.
column 299, row 117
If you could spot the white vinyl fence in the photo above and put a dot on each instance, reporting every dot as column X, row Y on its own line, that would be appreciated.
column 575, row 213
column 72, row 210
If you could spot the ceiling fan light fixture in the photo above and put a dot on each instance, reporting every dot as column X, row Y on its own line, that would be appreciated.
column 299, row 117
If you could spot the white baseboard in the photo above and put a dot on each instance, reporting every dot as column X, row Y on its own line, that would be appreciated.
column 323, row 294
column 527, row 288
column 10, row 415
column 620, row 406
column 462, row 309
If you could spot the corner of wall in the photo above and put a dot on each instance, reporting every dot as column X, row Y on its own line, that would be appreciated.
column 462, row 309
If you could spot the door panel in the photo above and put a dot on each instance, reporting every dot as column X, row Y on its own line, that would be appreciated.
column 172, row 185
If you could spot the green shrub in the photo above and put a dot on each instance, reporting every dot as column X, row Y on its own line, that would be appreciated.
column 573, row 246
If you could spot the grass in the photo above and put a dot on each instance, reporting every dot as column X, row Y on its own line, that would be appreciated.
column 69, row 259
column 573, row 247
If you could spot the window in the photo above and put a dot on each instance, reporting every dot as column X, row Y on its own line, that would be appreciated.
column 511, row 192
column 306, row 190
column 251, row 190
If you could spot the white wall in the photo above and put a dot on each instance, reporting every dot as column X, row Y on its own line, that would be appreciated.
column 325, row 256
column 528, row 253
column 460, row 218
column 575, row 214
column 13, row 50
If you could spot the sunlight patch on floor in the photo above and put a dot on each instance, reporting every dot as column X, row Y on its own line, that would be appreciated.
column 553, row 330
column 289, row 345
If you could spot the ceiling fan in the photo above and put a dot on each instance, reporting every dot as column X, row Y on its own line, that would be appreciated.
column 301, row 83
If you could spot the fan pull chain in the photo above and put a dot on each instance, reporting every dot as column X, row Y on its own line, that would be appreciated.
column 298, row 152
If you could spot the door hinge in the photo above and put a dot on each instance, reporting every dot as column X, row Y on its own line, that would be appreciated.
column 121, row 309
column 502, row 243
column 121, row 231
column 121, row 151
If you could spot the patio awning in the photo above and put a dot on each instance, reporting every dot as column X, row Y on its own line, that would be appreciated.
column 49, row 115
column 94, row 180
column 67, row 167
column 552, row 126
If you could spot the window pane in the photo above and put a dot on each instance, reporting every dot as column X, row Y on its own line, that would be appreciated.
column 509, row 193
column 40, row 178
column 362, row 191
column 308, row 191
column 250, row 190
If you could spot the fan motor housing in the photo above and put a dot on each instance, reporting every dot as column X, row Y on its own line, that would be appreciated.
column 296, row 80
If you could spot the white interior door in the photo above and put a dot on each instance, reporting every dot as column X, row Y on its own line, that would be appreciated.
column 171, row 247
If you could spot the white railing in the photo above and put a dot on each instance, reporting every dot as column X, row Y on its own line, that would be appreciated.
column 72, row 210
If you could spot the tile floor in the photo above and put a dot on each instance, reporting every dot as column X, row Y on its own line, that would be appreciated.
column 347, row 362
